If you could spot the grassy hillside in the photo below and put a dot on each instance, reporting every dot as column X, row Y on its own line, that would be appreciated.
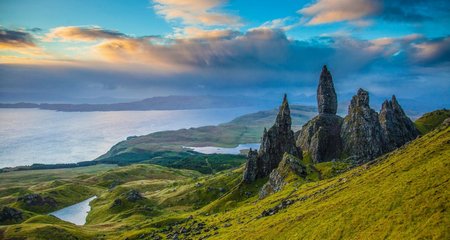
column 402, row 195
column 431, row 120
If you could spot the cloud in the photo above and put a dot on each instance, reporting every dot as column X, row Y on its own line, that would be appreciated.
column 191, row 33
column 435, row 51
column 413, row 11
column 18, row 41
column 84, row 34
column 196, row 12
column 328, row 11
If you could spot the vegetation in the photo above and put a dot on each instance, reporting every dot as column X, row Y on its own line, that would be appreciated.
column 401, row 195
column 431, row 120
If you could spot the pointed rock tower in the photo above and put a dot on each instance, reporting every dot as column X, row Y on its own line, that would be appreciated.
column 326, row 95
column 361, row 131
column 320, row 137
column 398, row 129
column 276, row 141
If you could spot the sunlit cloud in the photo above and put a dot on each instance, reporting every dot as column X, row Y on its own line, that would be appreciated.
column 84, row 34
column 196, row 12
column 329, row 11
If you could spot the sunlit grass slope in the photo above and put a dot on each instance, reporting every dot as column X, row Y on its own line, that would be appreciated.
column 402, row 195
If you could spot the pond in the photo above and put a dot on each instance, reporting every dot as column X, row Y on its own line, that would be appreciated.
column 76, row 213
column 220, row 150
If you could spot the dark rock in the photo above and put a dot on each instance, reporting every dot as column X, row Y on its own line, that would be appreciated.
column 117, row 202
column 133, row 196
column 398, row 129
column 326, row 95
column 321, row 138
column 37, row 200
column 10, row 215
column 251, row 168
column 271, row 211
column 289, row 166
column 361, row 132
column 279, row 139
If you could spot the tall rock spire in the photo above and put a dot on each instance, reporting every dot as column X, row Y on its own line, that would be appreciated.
column 326, row 95
column 276, row 141
column 321, row 135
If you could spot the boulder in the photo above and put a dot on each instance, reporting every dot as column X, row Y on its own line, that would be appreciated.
column 31, row 200
column 290, row 168
column 10, row 215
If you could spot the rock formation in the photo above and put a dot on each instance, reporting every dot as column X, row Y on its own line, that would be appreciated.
column 361, row 132
column 326, row 95
column 398, row 129
column 289, row 167
column 32, row 200
column 320, row 136
column 9, row 215
column 276, row 141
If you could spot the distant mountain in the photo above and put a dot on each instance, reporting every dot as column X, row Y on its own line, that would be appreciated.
column 154, row 103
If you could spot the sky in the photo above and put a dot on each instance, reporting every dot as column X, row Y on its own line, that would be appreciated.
column 69, row 50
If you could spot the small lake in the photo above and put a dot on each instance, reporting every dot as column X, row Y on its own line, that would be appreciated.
column 235, row 150
column 76, row 213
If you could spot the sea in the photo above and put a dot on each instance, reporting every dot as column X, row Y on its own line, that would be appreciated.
column 30, row 136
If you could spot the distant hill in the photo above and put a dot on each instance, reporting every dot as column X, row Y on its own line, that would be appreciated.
column 154, row 103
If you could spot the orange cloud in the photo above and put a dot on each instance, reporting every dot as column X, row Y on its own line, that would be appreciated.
column 83, row 34
column 202, row 12
column 328, row 11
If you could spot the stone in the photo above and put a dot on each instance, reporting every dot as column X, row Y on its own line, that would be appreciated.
column 133, row 196
column 361, row 132
column 289, row 167
column 326, row 95
column 321, row 138
column 398, row 129
column 9, row 215
column 250, row 167
column 31, row 200
column 276, row 141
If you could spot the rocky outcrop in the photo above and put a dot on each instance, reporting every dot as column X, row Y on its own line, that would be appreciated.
column 398, row 129
column 9, row 215
column 361, row 132
column 289, row 167
column 276, row 141
column 32, row 200
column 133, row 196
column 320, row 136
column 326, row 95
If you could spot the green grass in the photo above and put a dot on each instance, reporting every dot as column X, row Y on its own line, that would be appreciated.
column 402, row 195
column 431, row 120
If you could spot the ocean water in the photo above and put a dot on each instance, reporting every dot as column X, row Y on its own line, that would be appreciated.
column 76, row 213
column 221, row 150
column 30, row 136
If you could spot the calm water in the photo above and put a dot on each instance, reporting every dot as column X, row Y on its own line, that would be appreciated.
column 30, row 136
column 76, row 213
column 236, row 150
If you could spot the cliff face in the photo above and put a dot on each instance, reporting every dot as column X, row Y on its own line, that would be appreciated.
column 320, row 137
column 361, row 132
column 276, row 141
column 398, row 129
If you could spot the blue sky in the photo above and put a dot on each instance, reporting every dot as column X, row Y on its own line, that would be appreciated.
column 55, row 50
